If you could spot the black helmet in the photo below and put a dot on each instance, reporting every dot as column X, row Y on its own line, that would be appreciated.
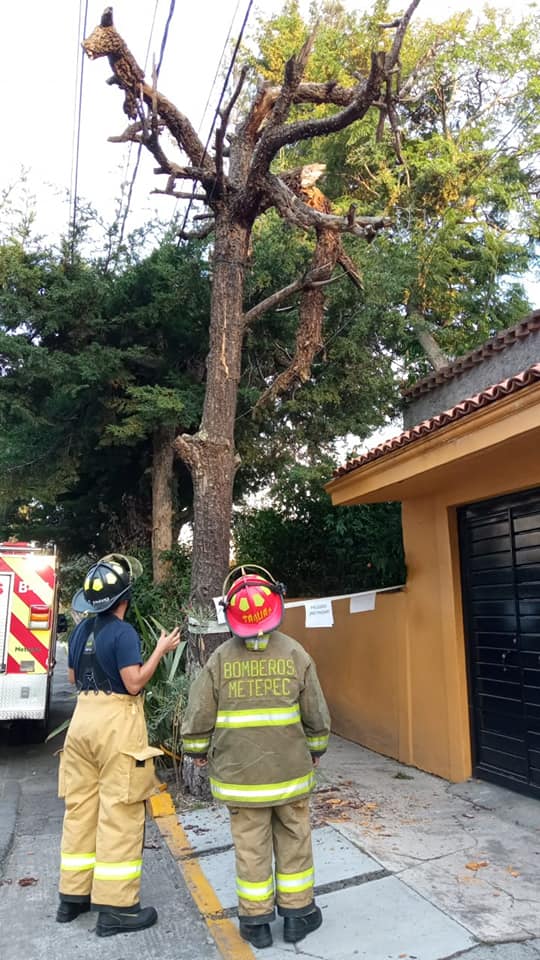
column 105, row 584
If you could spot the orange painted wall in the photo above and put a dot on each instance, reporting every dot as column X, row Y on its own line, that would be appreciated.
column 396, row 678
column 358, row 662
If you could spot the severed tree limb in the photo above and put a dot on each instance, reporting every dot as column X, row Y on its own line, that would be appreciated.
column 309, row 341
column 293, row 209
column 364, row 94
column 294, row 71
column 309, row 279
column 105, row 41
column 274, row 139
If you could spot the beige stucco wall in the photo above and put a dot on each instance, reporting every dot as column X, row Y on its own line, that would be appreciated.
column 396, row 678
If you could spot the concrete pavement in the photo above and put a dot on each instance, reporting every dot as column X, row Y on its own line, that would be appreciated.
column 408, row 867
column 29, row 874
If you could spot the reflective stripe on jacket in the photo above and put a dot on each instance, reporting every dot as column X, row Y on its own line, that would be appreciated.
column 260, row 716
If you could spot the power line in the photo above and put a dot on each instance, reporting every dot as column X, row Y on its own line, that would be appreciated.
column 77, row 121
column 131, row 187
column 216, row 74
column 165, row 36
column 220, row 101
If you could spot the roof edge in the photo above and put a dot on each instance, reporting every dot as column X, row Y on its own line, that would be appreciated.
column 467, row 407
column 501, row 340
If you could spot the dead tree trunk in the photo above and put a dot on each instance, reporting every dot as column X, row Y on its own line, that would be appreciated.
column 162, row 500
column 210, row 453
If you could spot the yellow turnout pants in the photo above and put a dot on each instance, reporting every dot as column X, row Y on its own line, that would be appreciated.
column 106, row 773
column 285, row 831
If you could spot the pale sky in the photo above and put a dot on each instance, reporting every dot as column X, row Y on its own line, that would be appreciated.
column 38, row 53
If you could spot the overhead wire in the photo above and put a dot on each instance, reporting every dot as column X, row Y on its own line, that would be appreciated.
column 131, row 187
column 77, row 123
column 218, row 108
column 216, row 74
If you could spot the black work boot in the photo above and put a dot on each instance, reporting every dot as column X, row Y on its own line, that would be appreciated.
column 111, row 922
column 68, row 911
column 258, row 934
column 296, row 928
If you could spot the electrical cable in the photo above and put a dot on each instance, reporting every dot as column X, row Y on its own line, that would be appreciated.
column 165, row 36
column 220, row 101
column 130, row 148
column 216, row 74
column 76, row 145
column 140, row 146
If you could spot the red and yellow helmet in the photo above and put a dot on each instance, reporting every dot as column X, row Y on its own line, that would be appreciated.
column 253, row 603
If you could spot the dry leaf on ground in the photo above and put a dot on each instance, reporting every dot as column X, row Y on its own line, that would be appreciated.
column 477, row 864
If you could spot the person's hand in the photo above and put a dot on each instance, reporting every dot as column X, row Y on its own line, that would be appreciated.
column 201, row 762
column 315, row 761
column 168, row 641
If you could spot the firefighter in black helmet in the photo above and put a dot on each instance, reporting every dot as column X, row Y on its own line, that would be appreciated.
column 107, row 765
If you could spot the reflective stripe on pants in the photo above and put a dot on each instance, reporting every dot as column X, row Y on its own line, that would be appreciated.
column 257, row 834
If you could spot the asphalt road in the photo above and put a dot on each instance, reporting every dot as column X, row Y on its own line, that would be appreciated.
column 28, row 875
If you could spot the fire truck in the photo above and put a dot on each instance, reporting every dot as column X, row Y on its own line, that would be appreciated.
column 28, row 628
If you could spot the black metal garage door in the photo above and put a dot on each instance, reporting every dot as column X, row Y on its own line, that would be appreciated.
column 500, row 550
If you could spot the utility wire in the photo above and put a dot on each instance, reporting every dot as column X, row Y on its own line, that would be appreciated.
column 130, row 148
column 216, row 74
column 76, row 146
column 140, row 146
column 165, row 36
column 218, row 108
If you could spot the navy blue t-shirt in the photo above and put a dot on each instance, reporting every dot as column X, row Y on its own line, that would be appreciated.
column 117, row 645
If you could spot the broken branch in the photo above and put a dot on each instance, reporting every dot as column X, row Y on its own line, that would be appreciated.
column 312, row 278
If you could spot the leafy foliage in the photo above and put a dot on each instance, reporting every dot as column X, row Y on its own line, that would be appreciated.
column 166, row 692
column 457, row 173
column 317, row 549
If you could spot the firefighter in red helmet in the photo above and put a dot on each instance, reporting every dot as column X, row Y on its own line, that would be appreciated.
column 257, row 713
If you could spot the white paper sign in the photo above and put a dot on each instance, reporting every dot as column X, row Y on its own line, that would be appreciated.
column 362, row 602
column 220, row 612
column 319, row 613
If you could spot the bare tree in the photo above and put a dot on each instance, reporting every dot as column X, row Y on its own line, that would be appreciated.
column 238, row 185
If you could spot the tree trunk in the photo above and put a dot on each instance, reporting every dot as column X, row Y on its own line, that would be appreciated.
column 427, row 341
column 210, row 453
column 162, row 500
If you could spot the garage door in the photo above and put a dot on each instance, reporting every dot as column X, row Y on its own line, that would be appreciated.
column 500, row 550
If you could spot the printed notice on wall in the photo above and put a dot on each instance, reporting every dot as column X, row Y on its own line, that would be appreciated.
column 220, row 612
column 362, row 602
column 319, row 613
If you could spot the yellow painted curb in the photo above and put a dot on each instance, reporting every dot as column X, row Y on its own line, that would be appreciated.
column 161, row 805
column 225, row 933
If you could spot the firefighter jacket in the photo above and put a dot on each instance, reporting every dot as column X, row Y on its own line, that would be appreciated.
column 259, row 716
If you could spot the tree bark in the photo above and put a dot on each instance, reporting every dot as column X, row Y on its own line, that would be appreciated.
column 162, row 500
column 210, row 454
column 427, row 341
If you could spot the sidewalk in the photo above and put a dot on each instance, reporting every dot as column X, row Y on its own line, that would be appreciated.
column 408, row 866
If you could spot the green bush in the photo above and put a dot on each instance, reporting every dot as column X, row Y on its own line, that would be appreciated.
column 166, row 692
column 317, row 549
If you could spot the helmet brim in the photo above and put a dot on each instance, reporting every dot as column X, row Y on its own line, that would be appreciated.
column 81, row 605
